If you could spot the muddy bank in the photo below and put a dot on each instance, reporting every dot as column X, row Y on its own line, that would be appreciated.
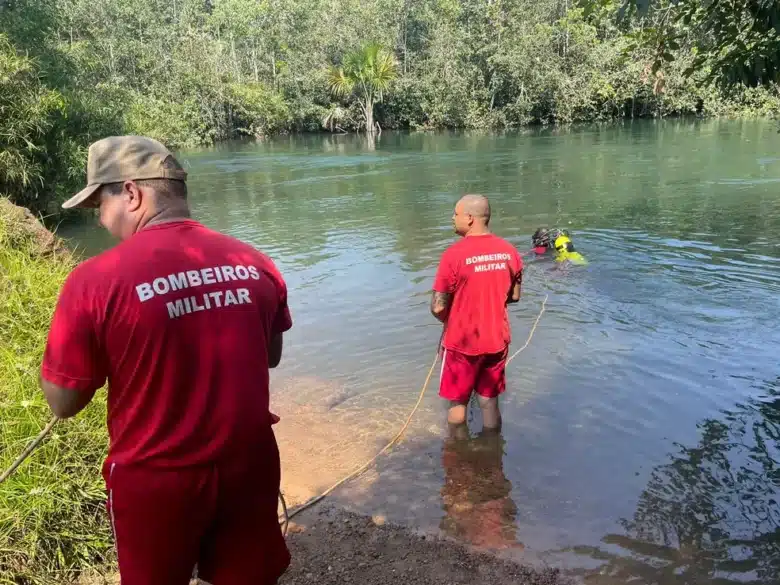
column 334, row 547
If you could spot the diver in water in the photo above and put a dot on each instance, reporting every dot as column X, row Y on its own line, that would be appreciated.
column 559, row 241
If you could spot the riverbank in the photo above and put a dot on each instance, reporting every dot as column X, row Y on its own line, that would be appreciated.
column 334, row 547
column 53, row 526
column 214, row 73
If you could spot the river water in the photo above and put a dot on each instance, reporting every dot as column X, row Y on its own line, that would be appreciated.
column 641, row 423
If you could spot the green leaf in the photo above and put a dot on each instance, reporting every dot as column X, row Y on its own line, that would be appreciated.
column 656, row 66
column 673, row 45
column 587, row 7
column 668, row 57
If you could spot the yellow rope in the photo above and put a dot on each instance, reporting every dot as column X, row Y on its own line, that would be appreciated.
column 533, row 329
column 29, row 449
column 289, row 516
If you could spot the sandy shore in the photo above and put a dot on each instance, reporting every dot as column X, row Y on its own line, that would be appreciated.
column 332, row 547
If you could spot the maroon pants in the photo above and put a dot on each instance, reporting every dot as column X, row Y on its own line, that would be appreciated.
column 221, row 517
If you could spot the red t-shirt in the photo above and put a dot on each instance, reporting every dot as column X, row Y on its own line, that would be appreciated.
column 479, row 271
column 178, row 320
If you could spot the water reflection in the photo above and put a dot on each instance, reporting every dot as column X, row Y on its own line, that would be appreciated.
column 711, row 514
column 680, row 223
column 476, row 495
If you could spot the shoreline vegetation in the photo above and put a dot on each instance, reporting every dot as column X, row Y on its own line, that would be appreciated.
column 52, row 515
column 198, row 72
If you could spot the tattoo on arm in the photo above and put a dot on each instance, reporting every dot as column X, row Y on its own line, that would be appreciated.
column 440, row 303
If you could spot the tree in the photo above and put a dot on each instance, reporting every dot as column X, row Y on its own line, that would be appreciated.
column 27, row 114
column 366, row 74
column 733, row 42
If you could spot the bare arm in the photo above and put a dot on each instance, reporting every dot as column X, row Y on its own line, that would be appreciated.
column 440, row 305
column 64, row 402
column 514, row 292
column 275, row 350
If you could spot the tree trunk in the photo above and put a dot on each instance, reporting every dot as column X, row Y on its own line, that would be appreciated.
column 368, row 110
column 235, row 58
column 273, row 66
column 111, row 58
column 566, row 40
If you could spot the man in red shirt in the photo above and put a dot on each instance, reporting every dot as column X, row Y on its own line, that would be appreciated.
column 476, row 279
column 183, row 323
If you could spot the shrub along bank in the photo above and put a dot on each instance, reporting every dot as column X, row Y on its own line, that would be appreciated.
column 53, row 524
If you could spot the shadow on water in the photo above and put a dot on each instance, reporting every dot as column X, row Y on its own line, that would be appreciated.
column 711, row 514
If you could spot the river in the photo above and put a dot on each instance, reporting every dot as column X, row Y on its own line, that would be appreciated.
column 642, row 422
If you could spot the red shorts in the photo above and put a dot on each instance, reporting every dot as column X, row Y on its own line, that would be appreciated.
column 221, row 517
column 463, row 374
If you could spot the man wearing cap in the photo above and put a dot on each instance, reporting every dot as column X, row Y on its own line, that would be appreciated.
column 183, row 323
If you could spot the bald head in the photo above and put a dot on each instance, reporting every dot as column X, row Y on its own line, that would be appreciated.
column 477, row 206
column 472, row 215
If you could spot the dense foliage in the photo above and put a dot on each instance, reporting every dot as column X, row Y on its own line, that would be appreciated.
column 192, row 72
column 736, row 41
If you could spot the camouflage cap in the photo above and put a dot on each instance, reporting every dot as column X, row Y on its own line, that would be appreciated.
column 126, row 158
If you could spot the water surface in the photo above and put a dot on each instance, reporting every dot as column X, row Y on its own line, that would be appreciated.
column 642, row 422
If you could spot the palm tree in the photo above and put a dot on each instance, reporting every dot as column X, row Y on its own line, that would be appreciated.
column 366, row 73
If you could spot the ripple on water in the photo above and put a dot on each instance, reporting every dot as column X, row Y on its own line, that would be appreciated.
column 658, row 345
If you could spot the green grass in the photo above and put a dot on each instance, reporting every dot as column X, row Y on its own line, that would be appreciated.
column 53, row 524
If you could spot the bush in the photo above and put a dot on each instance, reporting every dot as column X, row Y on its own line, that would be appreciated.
column 258, row 111
column 53, row 524
column 175, row 124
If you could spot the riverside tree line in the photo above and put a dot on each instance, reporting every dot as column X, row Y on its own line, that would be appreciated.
column 193, row 72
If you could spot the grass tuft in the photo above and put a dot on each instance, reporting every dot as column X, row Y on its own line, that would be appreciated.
column 53, row 525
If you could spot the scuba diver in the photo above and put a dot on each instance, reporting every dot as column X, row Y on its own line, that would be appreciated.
column 559, row 241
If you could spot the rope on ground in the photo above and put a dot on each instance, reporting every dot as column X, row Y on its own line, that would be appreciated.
column 285, row 520
column 29, row 449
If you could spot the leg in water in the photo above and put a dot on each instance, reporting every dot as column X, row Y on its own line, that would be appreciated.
column 491, row 414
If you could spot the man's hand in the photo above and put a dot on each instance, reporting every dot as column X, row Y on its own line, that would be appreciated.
column 440, row 305
column 64, row 402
